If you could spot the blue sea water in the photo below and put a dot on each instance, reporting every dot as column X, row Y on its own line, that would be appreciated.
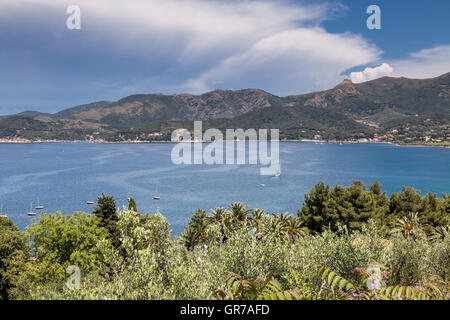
column 63, row 176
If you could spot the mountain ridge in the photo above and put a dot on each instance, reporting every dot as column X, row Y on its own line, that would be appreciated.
column 365, row 110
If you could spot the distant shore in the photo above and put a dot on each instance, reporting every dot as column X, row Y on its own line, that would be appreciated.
column 101, row 141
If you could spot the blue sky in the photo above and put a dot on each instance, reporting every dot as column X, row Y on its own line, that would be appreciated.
column 177, row 46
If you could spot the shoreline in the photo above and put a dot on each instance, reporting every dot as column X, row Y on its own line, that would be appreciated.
column 25, row 141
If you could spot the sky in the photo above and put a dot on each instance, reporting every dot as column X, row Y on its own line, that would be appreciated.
column 284, row 47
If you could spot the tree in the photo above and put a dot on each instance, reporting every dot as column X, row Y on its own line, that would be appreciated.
column 410, row 225
column 436, row 212
column 221, row 218
column 196, row 232
column 285, row 226
column 432, row 211
column 409, row 200
column 106, row 211
column 351, row 206
column 13, row 256
column 138, row 233
column 376, row 188
column 58, row 241
column 314, row 210
column 239, row 212
column 257, row 219
column 294, row 228
column 132, row 205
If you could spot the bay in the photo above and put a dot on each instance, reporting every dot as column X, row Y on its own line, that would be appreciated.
column 63, row 176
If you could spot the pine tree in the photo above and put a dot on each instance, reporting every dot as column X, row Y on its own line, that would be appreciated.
column 132, row 205
column 106, row 211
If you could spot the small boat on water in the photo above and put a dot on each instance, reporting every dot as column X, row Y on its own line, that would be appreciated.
column 156, row 198
column 31, row 213
column 278, row 171
column 90, row 202
column 38, row 207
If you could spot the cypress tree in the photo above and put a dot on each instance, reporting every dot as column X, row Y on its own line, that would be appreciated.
column 106, row 211
column 132, row 205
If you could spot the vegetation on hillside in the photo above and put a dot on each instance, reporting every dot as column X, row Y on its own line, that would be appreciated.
column 399, row 110
column 350, row 242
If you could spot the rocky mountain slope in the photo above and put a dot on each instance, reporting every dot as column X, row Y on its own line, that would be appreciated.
column 348, row 111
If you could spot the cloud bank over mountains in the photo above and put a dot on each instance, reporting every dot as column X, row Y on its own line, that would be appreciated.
column 426, row 63
column 173, row 46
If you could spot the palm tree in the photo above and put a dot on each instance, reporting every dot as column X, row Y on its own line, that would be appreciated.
column 220, row 217
column 239, row 212
column 257, row 221
column 196, row 232
column 282, row 218
column 409, row 225
column 284, row 225
column 217, row 215
column 277, row 225
column 294, row 228
column 439, row 233
column 189, row 238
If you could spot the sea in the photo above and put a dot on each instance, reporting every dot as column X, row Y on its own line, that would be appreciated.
column 64, row 176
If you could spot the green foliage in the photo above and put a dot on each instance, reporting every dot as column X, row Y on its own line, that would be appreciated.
column 408, row 226
column 326, row 207
column 196, row 232
column 409, row 261
column 13, row 256
column 58, row 241
column 430, row 292
column 287, row 227
column 138, row 232
column 344, row 289
column 303, row 284
column 416, row 109
column 335, row 281
column 325, row 252
column 132, row 204
column 239, row 213
column 259, row 289
column 106, row 212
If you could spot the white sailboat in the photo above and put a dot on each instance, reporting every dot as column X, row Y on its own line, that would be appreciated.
column 38, row 207
column 278, row 171
column 1, row 213
column 31, row 213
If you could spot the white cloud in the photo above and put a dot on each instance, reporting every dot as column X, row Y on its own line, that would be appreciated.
column 194, row 27
column 293, row 61
column 426, row 63
column 371, row 73
column 179, row 46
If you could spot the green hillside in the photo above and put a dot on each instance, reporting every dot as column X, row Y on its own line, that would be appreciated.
column 387, row 109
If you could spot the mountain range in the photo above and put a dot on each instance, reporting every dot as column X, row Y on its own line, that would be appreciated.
column 386, row 109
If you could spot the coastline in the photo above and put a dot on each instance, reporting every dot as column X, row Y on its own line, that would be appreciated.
column 101, row 141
